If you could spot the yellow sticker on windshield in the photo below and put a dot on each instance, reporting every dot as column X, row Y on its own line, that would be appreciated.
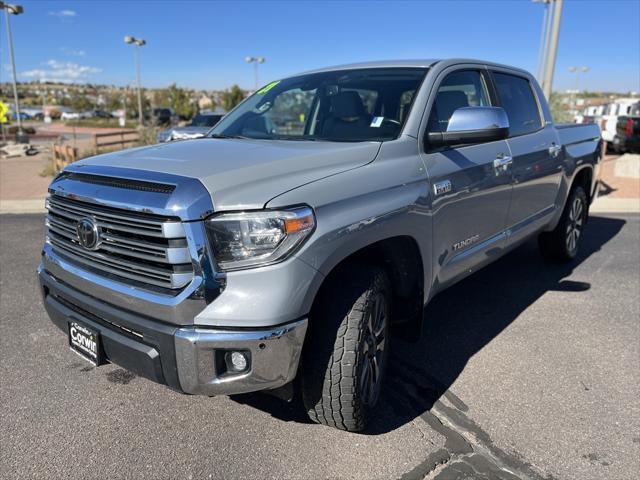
column 268, row 87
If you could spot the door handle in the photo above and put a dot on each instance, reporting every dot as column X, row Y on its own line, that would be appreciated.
column 502, row 162
column 554, row 150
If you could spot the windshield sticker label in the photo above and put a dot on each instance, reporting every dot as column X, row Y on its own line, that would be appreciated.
column 267, row 87
column 376, row 122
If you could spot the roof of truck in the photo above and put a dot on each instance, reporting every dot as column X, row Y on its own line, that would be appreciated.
column 416, row 63
column 378, row 64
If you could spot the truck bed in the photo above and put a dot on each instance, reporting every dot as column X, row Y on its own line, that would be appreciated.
column 573, row 133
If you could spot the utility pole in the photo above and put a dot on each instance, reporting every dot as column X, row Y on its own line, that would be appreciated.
column 552, row 49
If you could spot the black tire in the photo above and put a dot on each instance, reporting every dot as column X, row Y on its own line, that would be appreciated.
column 617, row 149
column 562, row 243
column 347, row 345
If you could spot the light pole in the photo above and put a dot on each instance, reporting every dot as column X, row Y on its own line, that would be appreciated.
column 255, row 61
column 14, row 10
column 577, row 70
column 138, row 42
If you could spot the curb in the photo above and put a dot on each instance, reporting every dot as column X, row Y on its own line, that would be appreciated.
column 22, row 206
column 615, row 205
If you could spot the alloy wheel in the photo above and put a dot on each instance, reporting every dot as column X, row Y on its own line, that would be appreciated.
column 574, row 225
column 373, row 349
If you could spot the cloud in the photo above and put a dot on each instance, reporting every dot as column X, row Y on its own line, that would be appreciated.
column 73, row 53
column 63, row 14
column 65, row 72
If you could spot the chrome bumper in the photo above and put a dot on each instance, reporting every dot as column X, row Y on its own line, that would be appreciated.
column 188, row 358
column 274, row 355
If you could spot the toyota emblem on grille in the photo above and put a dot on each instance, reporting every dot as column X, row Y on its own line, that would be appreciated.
column 88, row 233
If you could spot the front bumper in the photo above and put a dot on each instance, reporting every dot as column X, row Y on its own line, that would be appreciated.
column 627, row 144
column 188, row 359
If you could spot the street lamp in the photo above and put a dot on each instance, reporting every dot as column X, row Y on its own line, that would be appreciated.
column 577, row 71
column 138, row 42
column 14, row 10
column 255, row 61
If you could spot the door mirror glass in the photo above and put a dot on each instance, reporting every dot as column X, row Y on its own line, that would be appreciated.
column 472, row 125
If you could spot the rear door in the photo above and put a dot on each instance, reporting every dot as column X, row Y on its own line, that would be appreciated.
column 536, row 152
column 470, row 196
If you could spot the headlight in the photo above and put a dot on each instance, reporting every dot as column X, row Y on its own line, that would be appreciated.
column 249, row 239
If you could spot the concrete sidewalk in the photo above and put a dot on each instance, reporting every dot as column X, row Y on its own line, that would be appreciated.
column 22, row 188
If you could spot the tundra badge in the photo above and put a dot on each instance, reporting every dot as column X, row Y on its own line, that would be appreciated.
column 466, row 243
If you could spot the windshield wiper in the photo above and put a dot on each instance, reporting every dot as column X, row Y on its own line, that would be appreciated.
column 298, row 138
column 219, row 135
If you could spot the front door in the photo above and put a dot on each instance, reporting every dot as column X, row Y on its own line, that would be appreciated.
column 471, row 195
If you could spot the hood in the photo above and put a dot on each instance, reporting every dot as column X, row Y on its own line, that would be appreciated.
column 243, row 174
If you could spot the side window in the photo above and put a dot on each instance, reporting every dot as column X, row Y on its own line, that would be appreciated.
column 465, row 88
column 517, row 98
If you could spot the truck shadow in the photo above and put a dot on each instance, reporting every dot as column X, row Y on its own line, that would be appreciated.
column 458, row 323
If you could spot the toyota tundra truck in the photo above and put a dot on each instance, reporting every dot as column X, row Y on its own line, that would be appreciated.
column 288, row 248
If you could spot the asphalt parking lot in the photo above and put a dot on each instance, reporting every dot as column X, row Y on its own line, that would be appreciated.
column 526, row 370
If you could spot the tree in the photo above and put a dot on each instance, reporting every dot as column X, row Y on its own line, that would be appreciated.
column 232, row 97
column 80, row 103
column 558, row 112
column 131, row 103
column 114, row 102
column 178, row 99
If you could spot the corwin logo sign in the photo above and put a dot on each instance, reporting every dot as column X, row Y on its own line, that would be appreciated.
column 83, row 339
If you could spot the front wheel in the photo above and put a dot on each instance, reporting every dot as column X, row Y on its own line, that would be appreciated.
column 562, row 242
column 347, row 348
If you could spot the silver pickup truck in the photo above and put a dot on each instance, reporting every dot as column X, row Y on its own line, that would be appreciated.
column 290, row 246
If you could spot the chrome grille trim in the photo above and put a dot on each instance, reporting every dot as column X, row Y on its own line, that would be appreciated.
column 111, row 218
column 134, row 247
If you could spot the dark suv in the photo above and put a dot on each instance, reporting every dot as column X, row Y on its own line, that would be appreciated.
column 627, row 138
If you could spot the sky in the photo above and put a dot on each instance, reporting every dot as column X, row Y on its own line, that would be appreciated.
column 202, row 44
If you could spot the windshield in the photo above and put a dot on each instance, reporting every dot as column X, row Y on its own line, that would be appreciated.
column 342, row 105
column 205, row 120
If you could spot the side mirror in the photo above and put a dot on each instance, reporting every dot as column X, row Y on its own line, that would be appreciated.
column 472, row 125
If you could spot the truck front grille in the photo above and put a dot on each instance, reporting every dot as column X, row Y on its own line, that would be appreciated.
column 136, row 248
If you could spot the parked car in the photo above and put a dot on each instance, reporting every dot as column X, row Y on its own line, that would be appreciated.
column 74, row 115
column 23, row 116
column 627, row 138
column 97, row 113
column 101, row 114
column 34, row 113
column 199, row 126
column 265, row 257
column 609, row 120
column 162, row 116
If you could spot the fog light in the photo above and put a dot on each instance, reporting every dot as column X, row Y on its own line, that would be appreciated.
column 237, row 361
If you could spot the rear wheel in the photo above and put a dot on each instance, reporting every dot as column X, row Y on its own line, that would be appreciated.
column 345, row 357
column 562, row 243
